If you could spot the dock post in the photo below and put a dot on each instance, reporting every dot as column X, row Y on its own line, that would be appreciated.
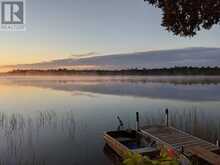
column 182, row 149
column 137, row 122
column 167, row 117
column 217, row 143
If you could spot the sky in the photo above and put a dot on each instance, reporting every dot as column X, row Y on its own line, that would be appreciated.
column 196, row 57
column 57, row 29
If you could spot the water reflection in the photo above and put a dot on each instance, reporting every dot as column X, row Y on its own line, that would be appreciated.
column 175, row 88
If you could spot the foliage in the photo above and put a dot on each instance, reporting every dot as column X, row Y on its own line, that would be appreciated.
column 166, row 158
column 137, row 159
column 186, row 17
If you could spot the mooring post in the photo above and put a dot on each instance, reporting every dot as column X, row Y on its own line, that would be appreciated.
column 182, row 149
column 217, row 143
column 137, row 122
column 167, row 117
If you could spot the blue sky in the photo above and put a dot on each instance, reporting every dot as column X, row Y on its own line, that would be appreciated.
column 61, row 28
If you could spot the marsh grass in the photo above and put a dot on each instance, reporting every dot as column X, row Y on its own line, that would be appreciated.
column 20, row 135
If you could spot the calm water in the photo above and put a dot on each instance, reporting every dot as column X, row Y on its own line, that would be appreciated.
column 61, row 120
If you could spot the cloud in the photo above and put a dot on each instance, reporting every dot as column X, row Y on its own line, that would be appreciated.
column 85, row 55
column 151, row 59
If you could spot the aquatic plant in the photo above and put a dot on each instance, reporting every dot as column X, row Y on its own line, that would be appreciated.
column 167, row 157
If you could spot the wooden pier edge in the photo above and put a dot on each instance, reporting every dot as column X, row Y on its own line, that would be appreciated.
column 206, row 155
column 175, row 138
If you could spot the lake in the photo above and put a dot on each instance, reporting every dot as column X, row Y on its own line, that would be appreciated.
column 61, row 120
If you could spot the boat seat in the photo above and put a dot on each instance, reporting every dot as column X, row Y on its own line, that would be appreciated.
column 145, row 150
column 122, row 139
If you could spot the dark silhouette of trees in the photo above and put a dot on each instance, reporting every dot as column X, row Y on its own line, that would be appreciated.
column 209, row 71
column 187, row 17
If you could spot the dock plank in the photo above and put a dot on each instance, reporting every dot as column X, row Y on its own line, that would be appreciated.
column 174, row 138
column 178, row 139
column 206, row 155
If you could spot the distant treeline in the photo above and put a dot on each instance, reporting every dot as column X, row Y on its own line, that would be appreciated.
column 136, row 71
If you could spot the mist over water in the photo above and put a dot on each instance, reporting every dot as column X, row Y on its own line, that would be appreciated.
column 61, row 120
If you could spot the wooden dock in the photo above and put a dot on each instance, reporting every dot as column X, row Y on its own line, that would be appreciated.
column 181, row 140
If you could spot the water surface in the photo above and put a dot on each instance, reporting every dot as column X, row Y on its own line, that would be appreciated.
column 61, row 120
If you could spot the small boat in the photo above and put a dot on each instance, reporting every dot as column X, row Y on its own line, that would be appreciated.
column 126, row 141
column 132, row 141
column 123, row 142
